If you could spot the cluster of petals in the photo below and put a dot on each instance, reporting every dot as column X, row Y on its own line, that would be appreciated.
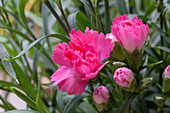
column 101, row 95
column 131, row 34
column 80, row 60
column 123, row 76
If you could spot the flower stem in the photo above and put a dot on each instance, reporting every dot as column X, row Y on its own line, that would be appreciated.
column 47, row 3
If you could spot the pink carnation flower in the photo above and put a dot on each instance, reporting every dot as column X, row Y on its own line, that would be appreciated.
column 131, row 34
column 167, row 72
column 123, row 76
column 80, row 60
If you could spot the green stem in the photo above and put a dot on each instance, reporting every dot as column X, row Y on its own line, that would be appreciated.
column 107, row 16
column 47, row 3
column 62, row 12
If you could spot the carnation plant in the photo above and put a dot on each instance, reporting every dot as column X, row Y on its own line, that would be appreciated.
column 85, row 56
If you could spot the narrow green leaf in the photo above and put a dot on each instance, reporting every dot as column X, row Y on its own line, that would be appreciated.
column 7, row 64
column 23, row 17
column 163, row 48
column 150, row 9
column 152, row 52
column 21, row 11
column 60, row 102
column 86, row 4
column 156, row 16
column 36, row 19
column 17, row 32
column 54, row 101
column 82, row 21
column 72, row 20
column 122, row 7
column 23, row 80
column 7, row 105
column 9, row 84
column 38, row 103
column 87, row 108
column 153, row 64
column 72, row 104
column 126, row 104
column 36, row 41
column 22, row 111
column 107, row 16
column 166, row 36
column 24, row 98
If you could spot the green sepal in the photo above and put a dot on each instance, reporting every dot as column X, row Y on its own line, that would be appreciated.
column 135, row 60
column 119, row 52
column 101, row 107
column 132, row 86
column 166, row 84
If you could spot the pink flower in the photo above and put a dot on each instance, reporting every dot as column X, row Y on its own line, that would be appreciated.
column 167, row 72
column 80, row 60
column 131, row 34
column 101, row 95
column 123, row 76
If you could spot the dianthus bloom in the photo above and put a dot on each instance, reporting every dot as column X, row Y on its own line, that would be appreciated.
column 80, row 60
column 131, row 34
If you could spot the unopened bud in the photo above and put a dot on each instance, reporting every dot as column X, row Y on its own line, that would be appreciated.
column 124, row 78
column 166, row 80
column 101, row 95
column 146, row 83
column 159, row 101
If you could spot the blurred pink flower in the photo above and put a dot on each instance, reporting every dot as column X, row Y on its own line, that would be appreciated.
column 123, row 76
column 167, row 72
column 80, row 60
column 101, row 95
column 131, row 34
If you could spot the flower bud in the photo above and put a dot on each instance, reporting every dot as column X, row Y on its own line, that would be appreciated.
column 167, row 72
column 124, row 78
column 166, row 80
column 101, row 95
column 146, row 83
column 159, row 101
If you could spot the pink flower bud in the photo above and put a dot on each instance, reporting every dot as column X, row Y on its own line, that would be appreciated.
column 101, row 95
column 123, row 76
column 167, row 72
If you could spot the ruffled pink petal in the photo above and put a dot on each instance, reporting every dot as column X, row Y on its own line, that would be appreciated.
column 103, row 46
column 144, row 34
column 73, row 85
column 58, row 56
column 92, row 75
column 62, row 73
column 132, row 41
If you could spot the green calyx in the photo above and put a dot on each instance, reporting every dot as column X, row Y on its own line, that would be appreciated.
column 146, row 83
column 119, row 52
column 132, row 86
